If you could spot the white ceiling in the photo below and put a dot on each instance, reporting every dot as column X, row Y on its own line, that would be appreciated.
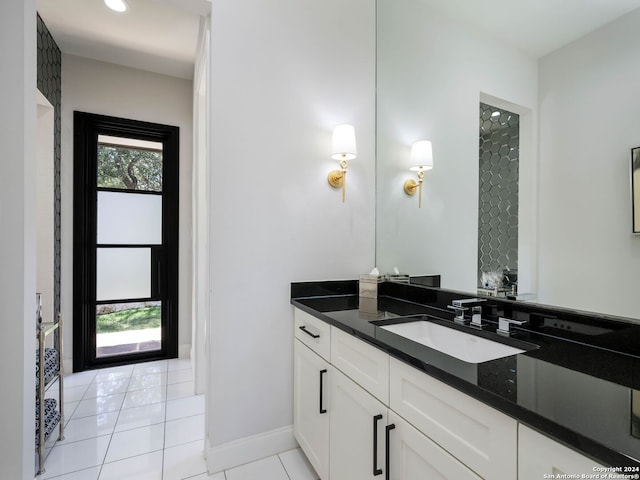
column 535, row 26
column 155, row 35
column 161, row 35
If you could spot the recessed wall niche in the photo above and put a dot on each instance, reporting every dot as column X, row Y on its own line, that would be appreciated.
column 498, row 203
column 49, row 74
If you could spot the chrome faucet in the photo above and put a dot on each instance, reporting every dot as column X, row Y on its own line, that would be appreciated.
column 476, row 316
column 459, row 307
column 505, row 323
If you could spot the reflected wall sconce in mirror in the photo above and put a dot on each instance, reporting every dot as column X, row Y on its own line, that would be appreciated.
column 119, row 6
column 343, row 148
column 421, row 161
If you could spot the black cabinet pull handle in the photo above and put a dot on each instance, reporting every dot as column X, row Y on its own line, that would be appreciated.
column 388, row 428
column 304, row 329
column 376, row 470
column 322, row 410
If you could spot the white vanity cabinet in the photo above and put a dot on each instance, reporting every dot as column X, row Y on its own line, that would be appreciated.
column 358, row 423
column 538, row 455
column 363, row 363
column 479, row 436
column 351, row 397
column 413, row 456
column 311, row 390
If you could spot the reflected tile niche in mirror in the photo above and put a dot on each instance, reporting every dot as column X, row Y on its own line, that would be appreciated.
column 498, row 203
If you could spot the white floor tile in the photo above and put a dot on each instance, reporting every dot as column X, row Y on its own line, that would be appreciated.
column 150, row 367
column 180, row 390
column 148, row 381
column 98, row 405
column 76, row 456
column 69, row 409
column 204, row 476
column 81, row 378
column 147, row 396
column 179, row 376
column 266, row 469
column 184, row 461
column 185, row 407
column 178, row 364
column 297, row 465
column 87, row 474
column 141, row 416
column 89, row 427
column 115, row 373
column 141, row 467
column 72, row 394
column 110, row 387
column 184, row 430
column 138, row 441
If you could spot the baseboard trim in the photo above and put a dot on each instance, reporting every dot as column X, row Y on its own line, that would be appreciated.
column 249, row 449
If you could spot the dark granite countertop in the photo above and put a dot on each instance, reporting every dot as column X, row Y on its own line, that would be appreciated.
column 574, row 383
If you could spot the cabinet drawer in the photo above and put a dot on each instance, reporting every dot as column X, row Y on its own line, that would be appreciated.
column 479, row 436
column 363, row 363
column 541, row 457
column 314, row 333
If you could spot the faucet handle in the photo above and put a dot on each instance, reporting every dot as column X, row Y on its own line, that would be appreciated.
column 504, row 323
column 476, row 316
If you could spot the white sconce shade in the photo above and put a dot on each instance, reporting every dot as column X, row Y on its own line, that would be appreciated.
column 343, row 143
column 116, row 5
column 343, row 148
column 421, row 156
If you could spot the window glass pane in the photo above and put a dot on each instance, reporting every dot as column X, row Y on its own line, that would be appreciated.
column 129, row 218
column 129, row 164
column 128, row 327
column 123, row 273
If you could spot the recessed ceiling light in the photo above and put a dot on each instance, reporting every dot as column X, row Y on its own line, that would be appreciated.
column 494, row 114
column 117, row 5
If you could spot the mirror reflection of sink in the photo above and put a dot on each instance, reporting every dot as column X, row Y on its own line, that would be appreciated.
column 463, row 346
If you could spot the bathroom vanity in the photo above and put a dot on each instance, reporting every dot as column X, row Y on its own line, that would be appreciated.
column 380, row 392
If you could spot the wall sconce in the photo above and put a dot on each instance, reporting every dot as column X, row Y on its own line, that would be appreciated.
column 421, row 161
column 343, row 148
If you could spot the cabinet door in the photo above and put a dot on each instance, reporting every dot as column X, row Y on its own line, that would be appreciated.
column 538, row 456
column 358, row 423
column 477, row 435
column 310, row 412
column 413, row 456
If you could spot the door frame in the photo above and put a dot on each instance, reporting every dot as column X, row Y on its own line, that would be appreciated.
column 87, row 127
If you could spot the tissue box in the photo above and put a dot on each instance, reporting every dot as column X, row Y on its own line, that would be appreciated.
column 369, row 285
column 368, row 309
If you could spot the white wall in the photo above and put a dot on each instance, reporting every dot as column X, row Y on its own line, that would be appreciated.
column 284, row 73
column 107, row 89
column 589, row 121
column 432, row 75
column 17, row 236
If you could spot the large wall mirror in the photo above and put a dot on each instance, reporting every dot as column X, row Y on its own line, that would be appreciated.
column 575, row 94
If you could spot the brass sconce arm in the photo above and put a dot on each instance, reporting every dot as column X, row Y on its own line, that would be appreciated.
column 410, row 187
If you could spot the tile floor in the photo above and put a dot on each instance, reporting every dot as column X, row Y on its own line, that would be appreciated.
column 142, row 422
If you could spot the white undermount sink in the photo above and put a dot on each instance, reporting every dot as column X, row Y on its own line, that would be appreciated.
column 463, row 346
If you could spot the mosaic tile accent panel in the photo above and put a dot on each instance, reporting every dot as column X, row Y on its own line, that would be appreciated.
column 498, row 205
column 50, row 84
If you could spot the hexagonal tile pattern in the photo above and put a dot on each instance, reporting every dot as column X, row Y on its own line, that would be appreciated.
column 49, row 74
column 498, row 206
